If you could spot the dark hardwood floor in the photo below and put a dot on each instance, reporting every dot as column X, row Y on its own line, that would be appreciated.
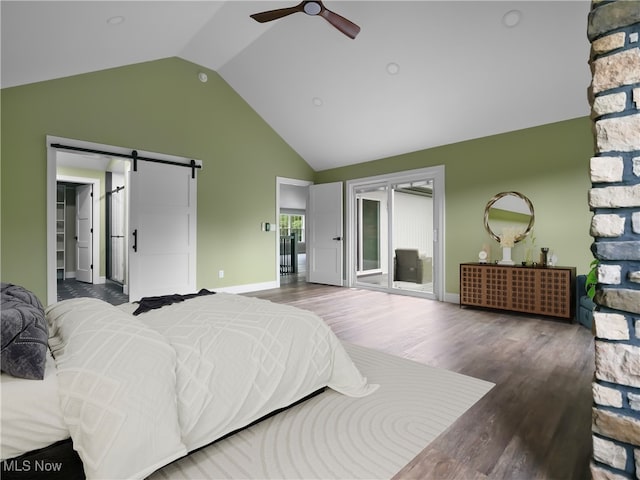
column 534, row 424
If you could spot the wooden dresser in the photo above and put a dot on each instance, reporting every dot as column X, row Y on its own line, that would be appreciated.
column 538, row 290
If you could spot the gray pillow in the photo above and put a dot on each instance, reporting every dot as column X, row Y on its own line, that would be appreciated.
column 24, row 333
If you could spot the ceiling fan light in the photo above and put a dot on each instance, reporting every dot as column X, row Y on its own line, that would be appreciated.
column 312, row 8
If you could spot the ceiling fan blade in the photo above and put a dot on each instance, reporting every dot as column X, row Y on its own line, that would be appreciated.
column 270, row 15
column 347, row 27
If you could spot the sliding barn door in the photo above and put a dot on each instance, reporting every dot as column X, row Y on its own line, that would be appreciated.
column 162, row 230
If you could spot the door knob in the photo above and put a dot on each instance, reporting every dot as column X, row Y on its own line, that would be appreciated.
column 337, row 238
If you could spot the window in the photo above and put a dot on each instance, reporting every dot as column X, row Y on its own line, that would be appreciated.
column 292, row 224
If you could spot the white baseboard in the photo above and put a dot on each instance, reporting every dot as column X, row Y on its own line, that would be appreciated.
column 250, row 287
column 452, row 298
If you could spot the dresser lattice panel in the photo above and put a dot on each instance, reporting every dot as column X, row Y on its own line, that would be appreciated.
column 540, row 290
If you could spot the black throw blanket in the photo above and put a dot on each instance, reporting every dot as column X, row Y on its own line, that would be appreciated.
column 151, row 303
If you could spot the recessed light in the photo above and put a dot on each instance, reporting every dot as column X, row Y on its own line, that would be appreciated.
column 393, row 68
column 118, row 19
column 511, row 18
column 317, row 101
column 203, row 77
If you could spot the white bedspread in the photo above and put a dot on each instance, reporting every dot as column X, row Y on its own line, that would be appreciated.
column 31, row 416
column 240, row 358
column 140, row 391
column 116, row 387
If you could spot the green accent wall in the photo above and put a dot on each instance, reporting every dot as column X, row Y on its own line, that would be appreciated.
column 161, row 106
column 158, row 106
column 549, row 164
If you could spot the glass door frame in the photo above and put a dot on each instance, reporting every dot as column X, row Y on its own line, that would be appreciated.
column 360, row 244
column 436, row 174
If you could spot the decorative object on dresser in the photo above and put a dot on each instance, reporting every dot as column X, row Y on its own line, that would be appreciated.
column 506, row 256
column 544, row 256
column 542, row 291
column 529, row 247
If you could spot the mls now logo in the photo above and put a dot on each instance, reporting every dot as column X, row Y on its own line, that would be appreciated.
column 13, row 465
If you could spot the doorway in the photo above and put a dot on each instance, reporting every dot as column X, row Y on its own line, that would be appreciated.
column 83, row 222
column 78, row 227
column 291, row 232
column 396, row 225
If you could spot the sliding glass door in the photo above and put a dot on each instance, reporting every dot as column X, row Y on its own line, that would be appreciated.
column 412, row 235
column 395, row 222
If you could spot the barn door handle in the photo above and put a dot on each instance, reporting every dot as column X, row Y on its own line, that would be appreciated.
column 135, row 240
column 337, row 238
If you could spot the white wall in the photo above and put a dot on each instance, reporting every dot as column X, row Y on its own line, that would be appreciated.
column 293, row 197
column 413, row 222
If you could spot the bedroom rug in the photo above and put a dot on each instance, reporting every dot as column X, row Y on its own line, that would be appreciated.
column 331, row 436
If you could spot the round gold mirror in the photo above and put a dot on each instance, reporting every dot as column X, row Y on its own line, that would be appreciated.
column 510, row 214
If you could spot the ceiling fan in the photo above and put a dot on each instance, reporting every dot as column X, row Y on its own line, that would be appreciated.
column 312, row 7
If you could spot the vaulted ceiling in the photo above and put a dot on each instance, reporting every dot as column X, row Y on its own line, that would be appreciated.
column 419, row 74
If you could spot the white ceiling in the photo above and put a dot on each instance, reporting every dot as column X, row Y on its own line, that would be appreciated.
column 462, row 73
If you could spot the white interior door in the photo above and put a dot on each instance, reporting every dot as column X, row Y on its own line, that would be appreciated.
column 162, row 227
column 325, row 236
column 84, row 233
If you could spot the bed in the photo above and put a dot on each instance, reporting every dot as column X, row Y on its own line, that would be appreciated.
column 136, row 392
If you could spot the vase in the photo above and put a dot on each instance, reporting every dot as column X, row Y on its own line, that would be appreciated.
column 506, row 256
column 544, row 256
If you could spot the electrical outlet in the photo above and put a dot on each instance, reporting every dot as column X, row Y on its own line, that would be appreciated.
column 220, row 273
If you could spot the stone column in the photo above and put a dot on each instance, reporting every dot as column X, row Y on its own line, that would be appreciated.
column 614, row 30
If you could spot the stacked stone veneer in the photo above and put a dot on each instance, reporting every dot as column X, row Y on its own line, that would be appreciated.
column 614, row 31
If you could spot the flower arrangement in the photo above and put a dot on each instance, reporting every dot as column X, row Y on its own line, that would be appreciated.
column 509, row 236
column 530, row 242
